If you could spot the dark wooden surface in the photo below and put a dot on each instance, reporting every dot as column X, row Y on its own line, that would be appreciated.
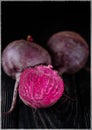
column 42, row 20
column 64, row 114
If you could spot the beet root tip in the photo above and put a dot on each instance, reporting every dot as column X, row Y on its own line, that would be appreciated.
column 13, row 100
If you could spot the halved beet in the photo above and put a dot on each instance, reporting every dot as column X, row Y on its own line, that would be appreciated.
column 40, row 87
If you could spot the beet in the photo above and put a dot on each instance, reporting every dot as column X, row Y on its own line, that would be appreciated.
column 69, row 51
column 19, row 55
column 40, row 87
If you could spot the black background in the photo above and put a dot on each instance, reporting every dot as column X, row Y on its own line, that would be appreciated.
column 41, row 20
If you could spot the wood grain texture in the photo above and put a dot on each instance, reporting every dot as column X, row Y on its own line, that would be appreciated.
column 64, row 114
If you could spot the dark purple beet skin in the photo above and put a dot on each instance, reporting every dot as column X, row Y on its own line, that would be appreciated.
column 19, row 55
column 69, row 51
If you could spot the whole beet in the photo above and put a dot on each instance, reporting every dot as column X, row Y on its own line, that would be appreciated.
column 69, row 51
column 40, row 86
column 19, row 55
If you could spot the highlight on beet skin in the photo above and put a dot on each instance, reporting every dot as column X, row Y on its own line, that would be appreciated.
column 40, row 86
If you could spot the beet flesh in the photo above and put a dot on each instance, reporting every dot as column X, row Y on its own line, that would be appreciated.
column 20, row 54
column 69, row 51
column 40, row 87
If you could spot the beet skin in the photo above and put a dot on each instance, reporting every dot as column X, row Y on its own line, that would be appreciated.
column 69, row 51
column 20, row 54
